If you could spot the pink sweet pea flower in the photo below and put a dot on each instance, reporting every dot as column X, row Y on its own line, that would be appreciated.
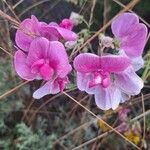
column 110, row 78
column 46, row 60
column 31, row 29
column 132, row 37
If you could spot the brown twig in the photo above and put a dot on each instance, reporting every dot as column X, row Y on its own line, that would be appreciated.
column 51, row 99
column 107, row 9
column 11, row 19
column 113, row 129
column 92, row 11
column 11, row 9
column 6, row 52
column 13, row 90
column 144, row 122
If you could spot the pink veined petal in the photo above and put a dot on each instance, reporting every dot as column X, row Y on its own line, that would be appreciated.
column 35, row 20
column 27, row 31
column 37, row 65
column 49, row 87
column 114, row 63
column 133, row 43
column 38, row 50
column 50, row 33
column 53, row 24
column 83, row 81
column 90, row 62
column 66, row 34
column 107, row 98
column 21, row 67
column 54, row 31
column 52, row 52
column 58, row 59
column 131, row 33
column 86, row 62
column 46, row 72
column 123, row 23
column 137, row 63
column 129, row 82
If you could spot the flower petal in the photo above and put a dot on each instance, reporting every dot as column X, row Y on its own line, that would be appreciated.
column 38, row 50
column 88, row 62
column 114, row 63
column 131, row 33
column 59, row 59
column 66, row 34
column 107, row 98
column 133, row 44
column 49, row 87
column 21, row 67
column 129, row 82
column 137, row 63
column 27, row 31
column 123, row 23
column 59, row 32
column 83, row 81
column 50, row 33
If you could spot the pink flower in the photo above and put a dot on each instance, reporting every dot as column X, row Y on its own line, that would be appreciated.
column 46, row 60
column 132, row 37
column 31, row 29
column 110, row 78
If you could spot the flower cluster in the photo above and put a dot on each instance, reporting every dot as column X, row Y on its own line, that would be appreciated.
column 111, row 77
column 41, row 54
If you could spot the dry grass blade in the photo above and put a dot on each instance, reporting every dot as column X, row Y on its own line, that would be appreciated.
column 75, row 130
column 11, row 9
column 130, row 5
column 36, row 111
column 91, row 141
column 13, row 90
column 102, row 121
column 144, row 122
column 141, row 115
column 107, row 133
column 106, row 12
column 83, row 5
column 92, row 11
column 11, row 19
column 148, row 37
column 18, row 3
column 6, row 52
column 27, row 110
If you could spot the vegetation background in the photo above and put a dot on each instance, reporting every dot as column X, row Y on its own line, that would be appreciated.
column 55, row 121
